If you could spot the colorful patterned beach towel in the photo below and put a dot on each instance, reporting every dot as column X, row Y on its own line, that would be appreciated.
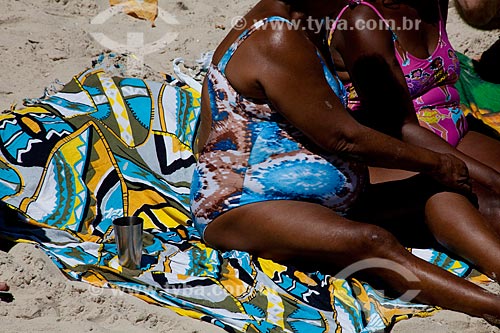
column 104, row 147
column 478, row 97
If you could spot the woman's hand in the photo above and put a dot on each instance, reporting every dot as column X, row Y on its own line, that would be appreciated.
column 481, row 173
column 452, row 172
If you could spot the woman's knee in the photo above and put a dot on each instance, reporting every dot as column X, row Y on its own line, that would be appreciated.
column 375, row 241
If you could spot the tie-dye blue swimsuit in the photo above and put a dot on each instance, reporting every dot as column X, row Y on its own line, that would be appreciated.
column 254, row 154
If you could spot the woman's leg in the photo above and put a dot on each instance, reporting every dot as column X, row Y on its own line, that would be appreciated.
column 482, row 148
column 486, row 150
column 291, row 230
column 478, row 146
column 381, row 175
column 450, row 218
column 459, row 227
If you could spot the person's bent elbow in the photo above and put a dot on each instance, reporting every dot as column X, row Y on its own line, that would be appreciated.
column 341, row 141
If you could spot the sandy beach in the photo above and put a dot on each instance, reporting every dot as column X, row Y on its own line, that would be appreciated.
column 46, row 40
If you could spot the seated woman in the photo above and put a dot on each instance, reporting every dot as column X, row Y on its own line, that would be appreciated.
column 282, row 168
column 402, row 73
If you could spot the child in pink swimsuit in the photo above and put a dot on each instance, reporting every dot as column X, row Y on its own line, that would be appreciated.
column 431, row 83
column 430, row 86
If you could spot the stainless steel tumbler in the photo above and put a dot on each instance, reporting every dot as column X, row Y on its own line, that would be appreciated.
column 128, row 238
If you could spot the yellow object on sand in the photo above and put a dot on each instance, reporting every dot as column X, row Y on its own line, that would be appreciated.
column 143, row 9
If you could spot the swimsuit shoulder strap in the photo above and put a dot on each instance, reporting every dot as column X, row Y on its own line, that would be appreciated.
column 244, row 35
column 442, row 23
column 352, row 4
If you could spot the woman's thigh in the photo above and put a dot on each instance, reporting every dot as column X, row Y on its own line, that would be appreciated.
column 399, row 207
column 285, row 230
column 382, row 175
column 482, row 148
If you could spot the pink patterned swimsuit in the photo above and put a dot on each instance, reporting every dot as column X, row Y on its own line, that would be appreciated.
column 431, row 83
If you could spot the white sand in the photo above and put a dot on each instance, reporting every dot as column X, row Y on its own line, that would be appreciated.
column 43, row 40
column 46, row 301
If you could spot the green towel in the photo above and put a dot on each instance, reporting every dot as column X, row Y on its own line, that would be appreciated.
column 478, row 98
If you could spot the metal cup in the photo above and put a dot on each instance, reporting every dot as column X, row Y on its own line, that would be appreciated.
column 128, row 238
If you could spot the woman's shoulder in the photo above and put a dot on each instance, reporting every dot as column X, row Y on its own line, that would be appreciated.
column 364, row 11
column 266, row 35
